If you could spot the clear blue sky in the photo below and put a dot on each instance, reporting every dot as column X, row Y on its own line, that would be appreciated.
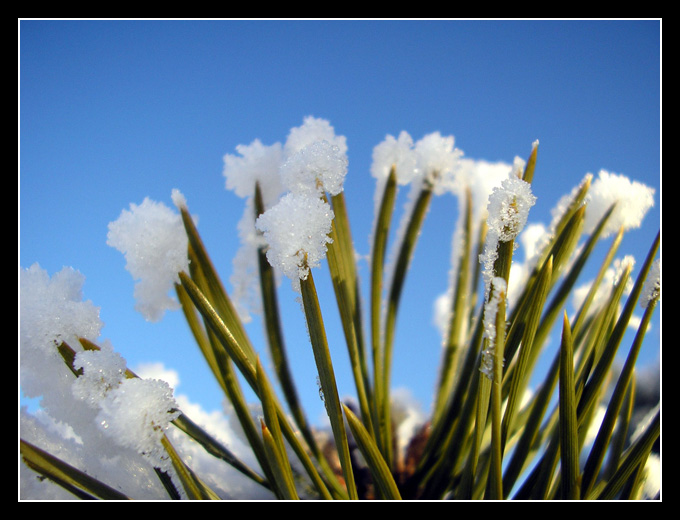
column 114, row 111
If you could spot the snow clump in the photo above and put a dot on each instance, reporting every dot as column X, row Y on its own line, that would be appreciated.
column 154, row 242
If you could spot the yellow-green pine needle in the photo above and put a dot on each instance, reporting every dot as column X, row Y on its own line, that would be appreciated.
column 376, row 463
column 459, row 310
column 585, row 306
column 568, row 423
column 317, row 334
column 199, row 334
column 532, row 431
column 381, row 231
column 405, row 253
column 283, row 484
column 225, row 337
column 482, row 409
column 602, row 441
column 280, row 462
column 634, row 456
column 195, row 489
column 530, row 166
column 618, row 443
column 495, row 483
column 601, row 369
column 214, row 287
column 343, row 275
column 530, row 320
column 70, row 478
column 216, row 449
column 272, row 320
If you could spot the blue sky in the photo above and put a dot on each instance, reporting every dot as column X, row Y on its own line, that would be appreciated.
column 114, row 111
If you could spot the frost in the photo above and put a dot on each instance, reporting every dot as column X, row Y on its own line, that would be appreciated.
column 651, row 486
column 314, row 169
column 652, row 288
column 296, row 230
column 102, row 371
column 508, row 211
column 178, row 199
column 481, row 177
column 137, row 414
column 53, row 310
column 633, row 200
column 394, row 152
column 557, row 212
column 518, row 167
column 509, row 207
column 259, row 164
column 312, row 161
column 498, row 292
column 154, row 242
column 313, row 129
column 437, row 159
column 256, row 163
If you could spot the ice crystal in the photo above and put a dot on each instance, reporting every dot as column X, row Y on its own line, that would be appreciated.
column 296, row 230
column 633, row 199
column 154, row 242
column 314, row 169
column 137, row 414
column 498, row 292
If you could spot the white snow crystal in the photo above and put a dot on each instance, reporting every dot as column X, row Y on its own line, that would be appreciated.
column 259, row 164
column 394, row 152
column 313, row 129
column 518, row 167
column 508, row 210
column 498, row 292
column 437, row 159
column 509, row 207
column 256, row 163
column 53, row 310
column 316, row 168
column 103, row 370
column 178, row 199
column 136, row 415
column 296, row 230
column 652, row 287
column 481, row 177
column 154, row 242
column 633, row 200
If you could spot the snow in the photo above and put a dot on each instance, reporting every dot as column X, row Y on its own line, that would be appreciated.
column 633, row 201
column 314, row 169
column 154, row 242
column 52, row 310
column 437, row 159
column 397, row 153
column 257, row 163
column 103, row 370
column 137, row 415
column 313, row 129
column 498, row 292
column 296, row 230
column 508, row 211
column 509, row 207
column 481, row 177
column 652, row 287
column 312, row 162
